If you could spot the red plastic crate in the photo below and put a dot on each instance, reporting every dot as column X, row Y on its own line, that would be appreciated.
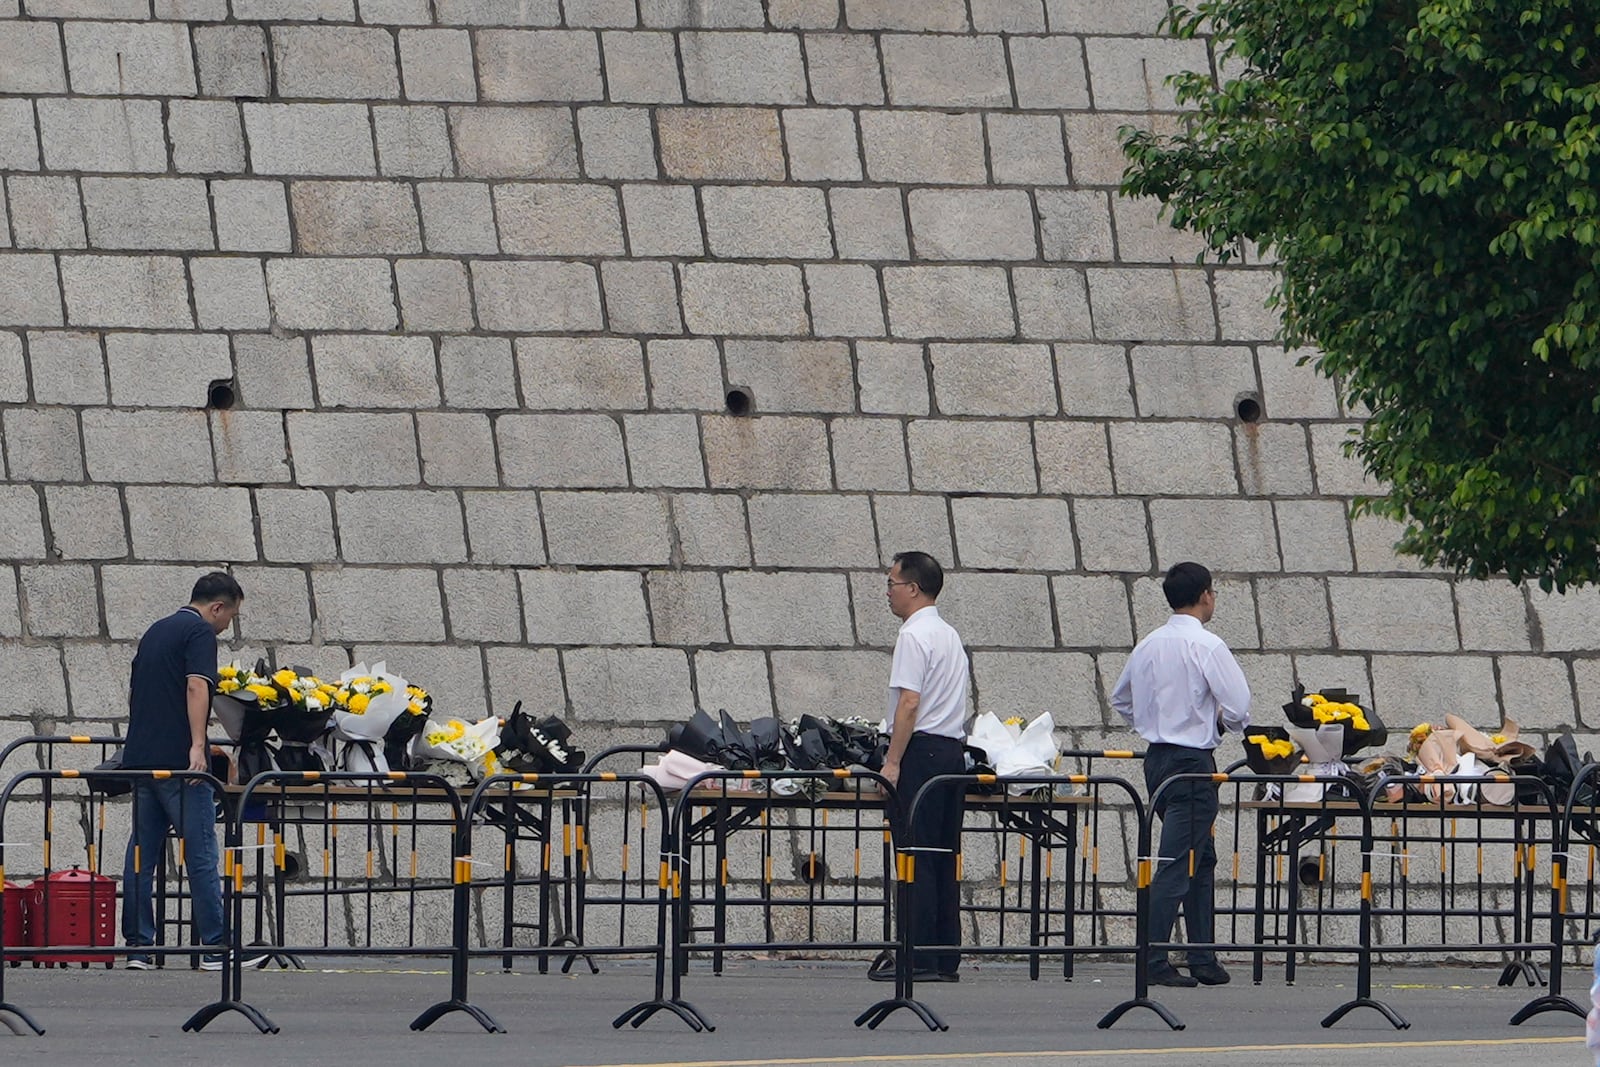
column 72, row 908
column 14, row 921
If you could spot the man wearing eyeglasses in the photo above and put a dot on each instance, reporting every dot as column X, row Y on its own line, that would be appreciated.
column 1180, row 690
column 928, row 712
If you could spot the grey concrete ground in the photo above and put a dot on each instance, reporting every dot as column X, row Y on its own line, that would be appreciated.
column 356, row 1013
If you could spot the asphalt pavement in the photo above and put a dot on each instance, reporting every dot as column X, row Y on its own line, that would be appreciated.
column 357, row 1012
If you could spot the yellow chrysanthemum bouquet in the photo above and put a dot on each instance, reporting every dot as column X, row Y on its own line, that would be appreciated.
column 291, row 702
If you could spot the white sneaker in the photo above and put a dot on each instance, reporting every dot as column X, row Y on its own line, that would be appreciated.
column 139, row 963
column 249, row 957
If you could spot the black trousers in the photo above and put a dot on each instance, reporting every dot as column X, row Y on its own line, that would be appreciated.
column 935, row 913
column 1188, row 811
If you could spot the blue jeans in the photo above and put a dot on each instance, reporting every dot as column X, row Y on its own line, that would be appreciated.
column 190, row 808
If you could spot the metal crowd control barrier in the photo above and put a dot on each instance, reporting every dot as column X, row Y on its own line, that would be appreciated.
column 495, row 800
column 1045, row 822
column 1266, row 870
column 1580, row 830
column 731, row 801
column 1046, row 878
column 316, row 797
column 113, row 945
column 1407, row 834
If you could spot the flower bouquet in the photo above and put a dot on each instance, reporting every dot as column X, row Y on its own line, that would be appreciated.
column 1329, row 726
column 366, row 702
column 1270, row 751
column 291, row 703
column 408, row 725
column 455, row 741
column 543, row 747
column 1014, row 749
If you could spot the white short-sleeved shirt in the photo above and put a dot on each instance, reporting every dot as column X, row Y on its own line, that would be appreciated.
column 929, row 661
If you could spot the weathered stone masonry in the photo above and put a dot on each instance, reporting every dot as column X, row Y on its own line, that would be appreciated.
column 481, row 275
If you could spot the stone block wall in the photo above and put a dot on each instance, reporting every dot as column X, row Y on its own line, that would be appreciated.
column 482, row 275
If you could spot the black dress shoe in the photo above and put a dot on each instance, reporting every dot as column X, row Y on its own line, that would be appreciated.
column 1209, row 974
column 949, row 976
column 921, row 974
column 1172, row 977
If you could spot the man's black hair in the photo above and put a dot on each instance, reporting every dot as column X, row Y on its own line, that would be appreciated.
column 924, row 570
column 1185, row 584
column 216, row 586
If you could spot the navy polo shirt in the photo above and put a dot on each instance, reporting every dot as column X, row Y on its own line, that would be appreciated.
column 180, row 645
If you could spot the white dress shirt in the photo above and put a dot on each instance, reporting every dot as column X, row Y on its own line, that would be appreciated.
column 929, row 661
column 1177, row 684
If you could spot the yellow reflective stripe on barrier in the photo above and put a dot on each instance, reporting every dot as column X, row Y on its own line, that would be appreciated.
column 415, row 863
column 138, row 856
column 625, row 857
column 677, row 885
column 1443, row 858
column 751, row 774
column 644, row 815
column 1219, row 777
column 911, row 869
column 1532, row 851
column 547, row 855
column 74, row 774
column 463, row 869
column 960, row 866
column 47, row 853
column 722, row 874
column 1078, row 779
column 398, row 776
column 608, row 776
column 886, row 835
column 369, row 865
column 582, row 844
column 227, row 863
column 1306, row 777
column 1004, row 879
column 311, row 776
column 182, row 853
column 79, row 739
column 663, row 884
column 1480, row 858
column 986, row 779
column 530, row 778
column 1144, row 874
column 238, row 875
column 92, row 865
column 858, row 865
column 1117, row 753
column 280, row 855
column 841, row 772
column 767, row 870
column 1049, row 863
column 508, row 857
column 327, row 863
column 1366, row 885
column 1235, row 865
column 566, row 839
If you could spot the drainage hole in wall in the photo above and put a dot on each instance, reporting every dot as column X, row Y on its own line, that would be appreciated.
column 740, row 401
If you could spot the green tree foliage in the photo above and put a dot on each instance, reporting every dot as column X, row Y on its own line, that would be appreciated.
column 1423, row 174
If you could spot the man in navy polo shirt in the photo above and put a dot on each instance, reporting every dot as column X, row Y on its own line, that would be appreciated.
column 169, row 702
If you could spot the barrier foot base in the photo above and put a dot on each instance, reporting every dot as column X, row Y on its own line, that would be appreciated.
column 1126, row 1006
column 284, row 960
column 445, row 1007
column 1540, row 1005
column 572, row 957
column 1524, row 969
column 200, row 1019
column 885, row 1008
column 7, row 1008
column 1394, row 1017
column 690, row 1014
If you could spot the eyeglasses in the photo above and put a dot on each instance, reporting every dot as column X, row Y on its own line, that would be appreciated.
column 891, row 583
